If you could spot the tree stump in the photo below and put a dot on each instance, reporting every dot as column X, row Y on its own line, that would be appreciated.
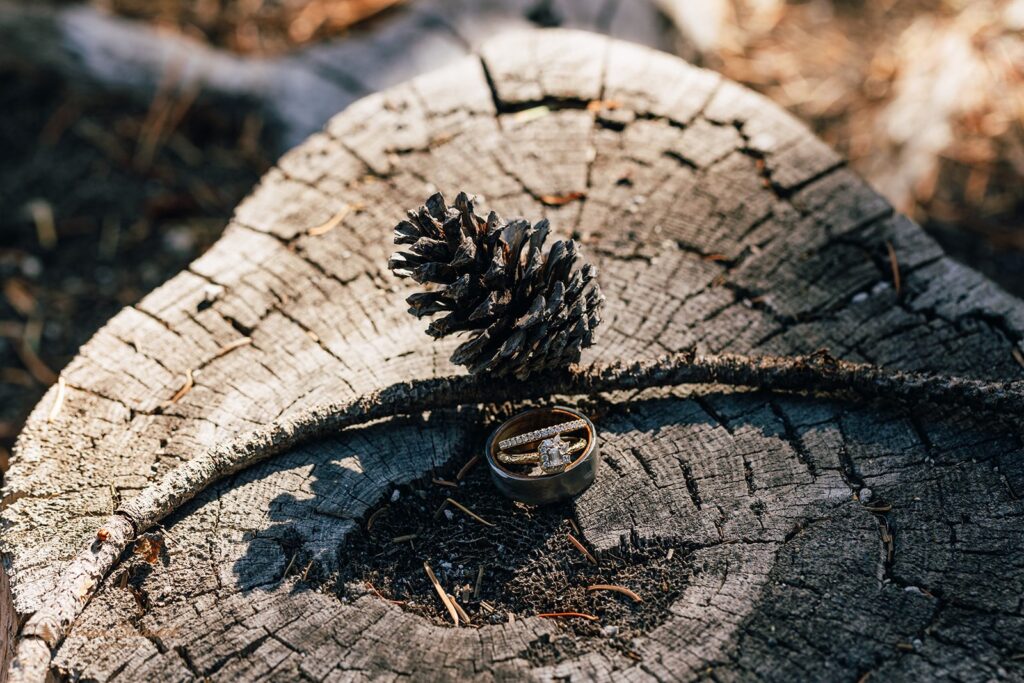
column 796, row 536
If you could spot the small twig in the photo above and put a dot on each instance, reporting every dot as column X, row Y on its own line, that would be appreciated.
column 115, row 498
column 380, row 595
column 185, row 388
column 445, row 482
column 290, row 563
column 335, row 220
column 581, row 615
column 581, row 548
column 467, row 467
column 575, row 528
column 618, row 589
column 561, row 199
column 887, row 539
column 479, row 582
column 231, row 346
column 531, row 114
column 468, row 511
column 598, row 105
column 894, row 264
column 58, row 401
column 458, row 608
column 441, row 593
column 373, row 517
column 403, row 539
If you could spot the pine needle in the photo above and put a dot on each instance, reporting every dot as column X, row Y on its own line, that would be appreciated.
column 458, row 608
column 618, row 589
column 561, row 199
column 580, row 615
column 581, row 548
column 290, row 563
column 334, row 221
column 403, row 539
column 479, row 582
column 231, row 346
column 441, row 593
column 185, row 388
column 373, row 517
column 894, row 264
column 467, row 467
column 468, row 511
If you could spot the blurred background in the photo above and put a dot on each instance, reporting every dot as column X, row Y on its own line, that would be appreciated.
column 130, row 128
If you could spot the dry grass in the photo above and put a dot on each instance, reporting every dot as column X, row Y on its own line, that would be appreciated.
column 253, row 26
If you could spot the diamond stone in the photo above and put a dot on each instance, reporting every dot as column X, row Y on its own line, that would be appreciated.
column 554, row 455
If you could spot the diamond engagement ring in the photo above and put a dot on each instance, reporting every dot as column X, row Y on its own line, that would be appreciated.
column 553, row 454
column 566, row 465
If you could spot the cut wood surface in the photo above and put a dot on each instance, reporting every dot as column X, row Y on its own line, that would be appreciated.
column 825, row 539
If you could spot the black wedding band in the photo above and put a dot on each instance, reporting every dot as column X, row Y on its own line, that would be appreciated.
column 545, row 488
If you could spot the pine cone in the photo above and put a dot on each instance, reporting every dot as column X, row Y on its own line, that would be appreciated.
column 526, row 310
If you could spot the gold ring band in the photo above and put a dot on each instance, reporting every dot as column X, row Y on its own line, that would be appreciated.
column 533, row 457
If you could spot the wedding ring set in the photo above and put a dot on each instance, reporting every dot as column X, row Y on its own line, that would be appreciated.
column 560, row 442
column 553, row 453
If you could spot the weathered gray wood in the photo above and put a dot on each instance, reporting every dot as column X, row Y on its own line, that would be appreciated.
column 8, row 625
column 717, row 221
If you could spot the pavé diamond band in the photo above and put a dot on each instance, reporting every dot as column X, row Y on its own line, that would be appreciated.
column 539, row 434
column 565, row 468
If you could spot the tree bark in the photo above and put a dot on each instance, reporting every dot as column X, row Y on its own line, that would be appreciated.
column 717, row 222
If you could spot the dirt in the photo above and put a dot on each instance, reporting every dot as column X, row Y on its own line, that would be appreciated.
column 530, row 566
column 101, row 205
